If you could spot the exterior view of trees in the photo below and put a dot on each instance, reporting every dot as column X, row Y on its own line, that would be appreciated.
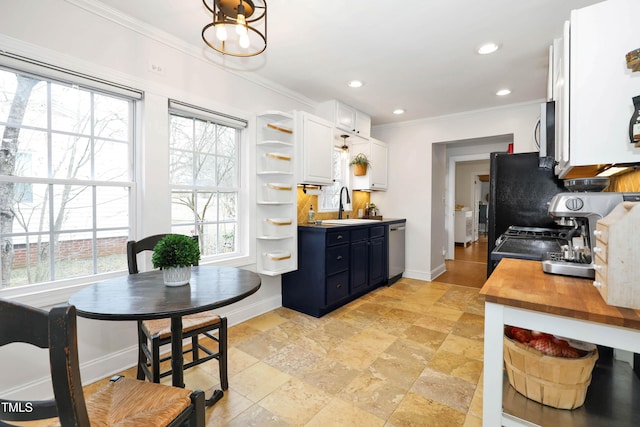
column 57, row 166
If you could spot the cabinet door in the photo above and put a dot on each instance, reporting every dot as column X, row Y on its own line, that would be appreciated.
column 601, row 85
column 337, row 287
column 377, row 175
column 561, row 96
column 377, row 261
column 379, row 168
column 363, row 124
column 317, row 150
column 359, row 265
column 345, row 117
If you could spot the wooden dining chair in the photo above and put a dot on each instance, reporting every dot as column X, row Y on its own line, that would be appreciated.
column 158, row 332
column 122, row 401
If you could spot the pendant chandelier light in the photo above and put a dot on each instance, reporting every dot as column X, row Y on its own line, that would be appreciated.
column 239, row 27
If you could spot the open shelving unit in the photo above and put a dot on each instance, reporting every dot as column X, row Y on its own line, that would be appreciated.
column 276, row 194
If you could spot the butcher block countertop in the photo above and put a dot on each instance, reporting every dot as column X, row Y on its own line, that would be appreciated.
column 523, row 284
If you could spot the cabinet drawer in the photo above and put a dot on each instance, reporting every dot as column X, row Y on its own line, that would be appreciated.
column 337, row 287
column 337, row 238
column 357, row 235
column 377, row 231
column 337, row 259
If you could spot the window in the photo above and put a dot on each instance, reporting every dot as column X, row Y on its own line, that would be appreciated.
column 204, row 174
column 329, row 199
column 65, row 193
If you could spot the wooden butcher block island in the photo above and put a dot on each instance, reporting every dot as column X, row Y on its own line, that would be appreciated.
column 519, row 293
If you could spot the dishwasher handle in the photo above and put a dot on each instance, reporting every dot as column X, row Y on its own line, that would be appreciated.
column 397, row 228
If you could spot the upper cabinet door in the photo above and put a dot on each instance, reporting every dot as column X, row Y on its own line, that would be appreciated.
column 377, row 173
column 315, row 142
column 600, row 84
column 346, row 118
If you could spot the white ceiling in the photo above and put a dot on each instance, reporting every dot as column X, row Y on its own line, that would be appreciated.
column 419, row 55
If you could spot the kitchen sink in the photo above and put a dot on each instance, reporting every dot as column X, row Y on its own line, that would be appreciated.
column 350, row 221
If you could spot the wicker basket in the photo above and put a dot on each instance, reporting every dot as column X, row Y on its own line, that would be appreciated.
column 553, row 381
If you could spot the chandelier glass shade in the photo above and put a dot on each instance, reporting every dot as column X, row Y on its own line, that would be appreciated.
column 238, row 27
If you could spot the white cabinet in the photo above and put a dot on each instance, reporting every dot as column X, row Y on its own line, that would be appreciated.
column 377, row 172
column 276, row 194
column 463, row 229
column 314, row 141
column 600, row 86
column 346, row 118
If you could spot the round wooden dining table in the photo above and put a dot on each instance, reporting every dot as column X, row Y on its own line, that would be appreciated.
column 144, row 296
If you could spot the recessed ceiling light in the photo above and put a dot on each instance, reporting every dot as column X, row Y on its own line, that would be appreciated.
column 503, row 92
column 488, row 48
column 398, row 111
column 355, row 83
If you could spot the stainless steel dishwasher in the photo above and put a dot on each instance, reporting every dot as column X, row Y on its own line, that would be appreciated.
column 396, row 251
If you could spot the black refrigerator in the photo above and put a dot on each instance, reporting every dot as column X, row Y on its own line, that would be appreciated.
column 519, row 190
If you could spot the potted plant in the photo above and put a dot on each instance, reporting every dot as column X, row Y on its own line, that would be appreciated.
column 175, row 254
column 360, row 163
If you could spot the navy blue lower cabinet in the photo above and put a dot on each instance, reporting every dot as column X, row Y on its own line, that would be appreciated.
column 335, row 265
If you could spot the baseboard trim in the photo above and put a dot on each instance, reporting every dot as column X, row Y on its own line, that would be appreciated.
column 418, row 275
column 441, row 269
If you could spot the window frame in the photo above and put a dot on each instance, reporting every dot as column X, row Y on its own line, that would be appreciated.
column 53, row 291
column 344, row 181
column 242, row 220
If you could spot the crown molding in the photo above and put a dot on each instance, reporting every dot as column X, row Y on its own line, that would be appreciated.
column 118, row 17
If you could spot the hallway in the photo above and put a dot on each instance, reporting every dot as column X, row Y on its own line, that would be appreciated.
column 469, row 267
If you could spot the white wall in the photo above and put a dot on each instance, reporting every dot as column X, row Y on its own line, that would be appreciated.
column 62, row 34
column 415, row 173
column 465, row 173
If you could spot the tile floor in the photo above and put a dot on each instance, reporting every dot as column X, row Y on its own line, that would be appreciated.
column 405, row 355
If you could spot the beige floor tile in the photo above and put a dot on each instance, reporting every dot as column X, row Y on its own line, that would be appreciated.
column 230, row 406
column 339, row 413
column 427, row 337
column 402, row 372
column 354, row 355
column 446, row 389
column 258, row 381
column 339, row 328
column 329, row 375
column 436, row 323
column 445, row 312
column 416, row 410
column 266, row 321
column 410, row 350
column 373, row 394
column 237, row 361
column 240, row 333
column 374, row 339
column 402, row 315
column 473, row 349
column 470, row 326
column 257, row 416
column 303, row 402
column 292, row 359
column 263, row 345
column 457, row 365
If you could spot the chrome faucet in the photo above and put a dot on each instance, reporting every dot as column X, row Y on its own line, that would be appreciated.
column 340, row 206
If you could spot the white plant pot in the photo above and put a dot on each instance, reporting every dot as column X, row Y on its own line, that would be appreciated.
column 176, row 276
